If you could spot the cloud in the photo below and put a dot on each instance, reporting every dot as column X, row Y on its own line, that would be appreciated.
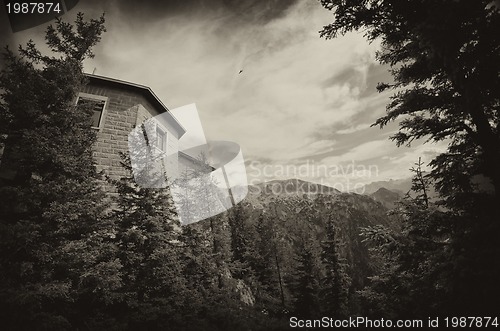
column 366, row 151
column 298, row 99
column 349, row 76
column 375, row 74
column 278, row 105
column 150, row 11
column 401, row 162
column 275, row 105
column 353, row 129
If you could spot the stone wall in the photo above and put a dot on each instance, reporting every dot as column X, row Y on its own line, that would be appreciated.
column 124, row 110
column 171, row 161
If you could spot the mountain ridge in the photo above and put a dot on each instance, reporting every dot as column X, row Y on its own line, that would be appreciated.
column 386, row 197
column 305, row 213
column 401, row 186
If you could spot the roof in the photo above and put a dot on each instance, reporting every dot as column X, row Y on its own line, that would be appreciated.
column 144, row 91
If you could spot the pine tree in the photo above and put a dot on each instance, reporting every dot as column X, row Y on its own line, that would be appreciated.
column 147, row 235
column 207, row 263
column 58, row 266
column 242, row 238
column 239, row 234
column 420, row 185
column 419, row 260
column 335, row 284
column 305, row 285
column 267, row 265
column 214, row 302
column 446, row 87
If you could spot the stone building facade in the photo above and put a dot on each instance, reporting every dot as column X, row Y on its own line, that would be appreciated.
column 120, row 107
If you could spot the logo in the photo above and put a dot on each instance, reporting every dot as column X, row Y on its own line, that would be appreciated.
column 205, row 178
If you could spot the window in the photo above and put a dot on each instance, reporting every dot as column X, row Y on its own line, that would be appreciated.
column 98, row 104
column 161, row 139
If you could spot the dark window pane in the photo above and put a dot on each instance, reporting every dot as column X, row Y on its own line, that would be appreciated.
column 96, row 118
column 97, row 107
column 160, row 139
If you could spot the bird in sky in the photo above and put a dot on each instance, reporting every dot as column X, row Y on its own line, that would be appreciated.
column 240, row 71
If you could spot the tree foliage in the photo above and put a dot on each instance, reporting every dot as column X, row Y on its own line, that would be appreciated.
column 429, row 267
column 306, row 280
column 335, row 282
column 445, row 62
column 146, row 234
column 56, row 257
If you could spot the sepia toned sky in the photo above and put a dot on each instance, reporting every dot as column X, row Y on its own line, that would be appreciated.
column 301, row 103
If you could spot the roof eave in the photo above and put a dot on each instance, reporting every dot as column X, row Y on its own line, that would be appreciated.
column 149, row 93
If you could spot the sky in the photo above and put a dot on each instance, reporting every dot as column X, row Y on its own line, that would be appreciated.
column 302, row 105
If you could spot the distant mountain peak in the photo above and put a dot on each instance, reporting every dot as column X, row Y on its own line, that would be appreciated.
column 395, row 185
column 292, row 186
column 386, row 197
column 383, row 190
column 300, row 212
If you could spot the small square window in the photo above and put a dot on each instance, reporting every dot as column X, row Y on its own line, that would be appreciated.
column 97, row 107
column 161, row 139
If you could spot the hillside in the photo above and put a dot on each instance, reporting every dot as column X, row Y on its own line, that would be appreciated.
column 391, row 188
column 262, row 193
column 386, row 197
column 298, row 212
column 400, row 186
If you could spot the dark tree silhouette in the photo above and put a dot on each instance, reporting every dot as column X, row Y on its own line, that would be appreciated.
column 445, row 62
column 56, row 255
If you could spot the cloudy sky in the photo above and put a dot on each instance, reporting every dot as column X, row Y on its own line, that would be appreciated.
column 302, row 105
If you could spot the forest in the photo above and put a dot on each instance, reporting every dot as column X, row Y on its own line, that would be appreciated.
column 74, row 258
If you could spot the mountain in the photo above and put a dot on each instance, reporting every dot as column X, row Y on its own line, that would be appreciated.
column 386, row 197
column 293, row 186
column 262, row 193
column 400, row 186
column 397, row 186
column 299, row 209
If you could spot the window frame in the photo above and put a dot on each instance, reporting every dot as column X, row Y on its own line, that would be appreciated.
column 97, row 98
column 158, row 126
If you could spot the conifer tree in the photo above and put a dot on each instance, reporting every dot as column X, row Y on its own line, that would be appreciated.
column 417, row 277
column 239, row 234
column 305, row 286
column 446, row 80
column 335, row 284
column 57, row 260
column 267, row 265
column 146, row 232
column 445, row 66
column 420, row 185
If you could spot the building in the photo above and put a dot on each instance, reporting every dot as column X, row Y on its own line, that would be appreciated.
column 129, row 119
column 119, row 107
